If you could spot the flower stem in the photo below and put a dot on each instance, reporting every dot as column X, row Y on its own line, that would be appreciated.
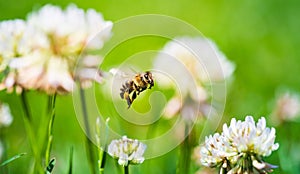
column 25, row 106
column 126, row 169
column 102, row 159
column 183, row 165
column 89, row 143
column 49, row 138
column 101, row 151
column 38, row 168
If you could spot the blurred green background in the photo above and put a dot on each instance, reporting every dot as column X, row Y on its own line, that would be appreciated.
column 260, row 37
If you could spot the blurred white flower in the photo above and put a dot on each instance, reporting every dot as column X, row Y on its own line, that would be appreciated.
column 191, row 63
column 127, row 151
column 196, row 58
column 53, row 51
column 72, row 29
column 11, row 32
column 172, row 107
column 240, row 147
column 190, row 107
column 5, row 115
column 287, row 107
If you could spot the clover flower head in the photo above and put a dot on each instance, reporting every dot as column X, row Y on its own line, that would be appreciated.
column 247, row 136
column 127, row 151
column 215, row 150
column 240, row 147
column 54, row 48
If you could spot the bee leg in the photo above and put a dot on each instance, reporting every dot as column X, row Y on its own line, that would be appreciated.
column 131, row 99
column 128, row 103
column 151, row 85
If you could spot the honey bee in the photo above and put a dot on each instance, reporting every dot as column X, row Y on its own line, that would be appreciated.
column 132, row 88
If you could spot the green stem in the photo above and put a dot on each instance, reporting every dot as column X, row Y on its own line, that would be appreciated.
column 49, row 103
column 31, row 134
column 126, row 169
column 89, row 144
column 25, row 106
column 102, row 152
column 84, row 112
column 51, row 112
column 185, row 153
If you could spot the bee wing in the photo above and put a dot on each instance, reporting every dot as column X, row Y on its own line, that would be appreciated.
column 126, row 73
column 118, row 73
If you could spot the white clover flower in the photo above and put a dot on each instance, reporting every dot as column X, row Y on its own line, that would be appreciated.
column 5, row 115
column 53, row 50
column 248, row 137
column 127, row 151
column 240, row 147
column 216, row 150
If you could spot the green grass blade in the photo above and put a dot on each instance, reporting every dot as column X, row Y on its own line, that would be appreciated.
column 12, row 159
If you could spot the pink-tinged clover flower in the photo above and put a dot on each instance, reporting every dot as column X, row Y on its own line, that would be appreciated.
column 53, row 50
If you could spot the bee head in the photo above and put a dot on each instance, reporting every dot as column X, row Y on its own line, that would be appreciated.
column 148, row 77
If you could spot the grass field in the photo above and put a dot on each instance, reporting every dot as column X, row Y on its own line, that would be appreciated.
column 260, row 37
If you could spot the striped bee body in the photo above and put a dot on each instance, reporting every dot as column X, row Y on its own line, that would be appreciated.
column 132, row 88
